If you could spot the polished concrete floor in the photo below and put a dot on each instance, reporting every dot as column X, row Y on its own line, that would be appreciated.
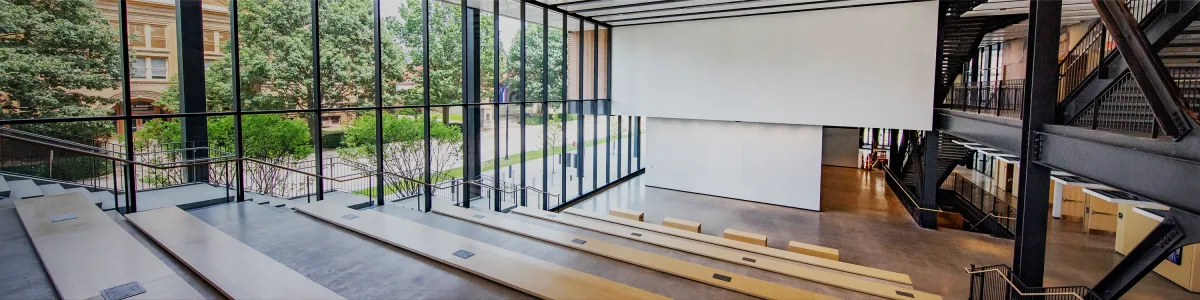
column 864, row 220
column 861, row 218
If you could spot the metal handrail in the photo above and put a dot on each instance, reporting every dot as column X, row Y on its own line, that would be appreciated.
column 556, row 196
column 209, row 162
column 56, row 139
column 1017, row 289
column 910, row 195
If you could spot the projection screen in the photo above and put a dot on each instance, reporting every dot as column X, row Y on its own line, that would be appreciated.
column 856, row 67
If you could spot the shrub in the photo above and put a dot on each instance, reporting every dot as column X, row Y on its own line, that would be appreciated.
column 332, row 139
column 65, row 168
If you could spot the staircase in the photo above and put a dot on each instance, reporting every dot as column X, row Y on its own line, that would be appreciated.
column 961, row 38
column 14, row 187
column 1124, row 108
column 950, row 155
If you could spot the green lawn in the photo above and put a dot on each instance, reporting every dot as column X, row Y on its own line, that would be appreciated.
column 490, row 164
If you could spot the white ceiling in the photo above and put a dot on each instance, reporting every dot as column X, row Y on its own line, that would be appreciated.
column 634, row 12
column 1073, row 12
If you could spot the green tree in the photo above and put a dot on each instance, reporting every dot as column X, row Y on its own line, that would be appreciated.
column 52, row 49
column 404, row 149
column 535, row 64
column 275, row 39
column 445, row 52
column 268, row 137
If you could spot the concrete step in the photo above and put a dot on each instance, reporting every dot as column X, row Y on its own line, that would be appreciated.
column 4, row 190
column 103, row 199
column 22, row 189
column 51, row 189
column 1179, row 54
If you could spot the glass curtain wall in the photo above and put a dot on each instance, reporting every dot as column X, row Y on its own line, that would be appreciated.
column 412, row 103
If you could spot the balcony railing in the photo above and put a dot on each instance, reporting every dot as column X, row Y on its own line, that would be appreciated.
column 1123, row 108
column 998, row 208
column 1000, row 98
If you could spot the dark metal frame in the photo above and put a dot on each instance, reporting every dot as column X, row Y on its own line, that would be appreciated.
column 315, row 108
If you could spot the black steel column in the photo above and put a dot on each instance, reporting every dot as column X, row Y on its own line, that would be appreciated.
column 472, row 140
column 895, row 158
column 579, row 142
column 239, row 150
column 595, row 105
column 130, row 176
column 190, row 33
column 378, row 41
column 929, row 181
column 1041, row 82
column 315, row 120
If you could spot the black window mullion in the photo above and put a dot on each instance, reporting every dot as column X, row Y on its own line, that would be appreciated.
column 524, row 95
column 315, row 119
column 496, row 102
column 428, row 190
column 235, row 53
column 595, row 107
column 378, row 41
column 563, row 109
column 545, row 107
column 126, row 97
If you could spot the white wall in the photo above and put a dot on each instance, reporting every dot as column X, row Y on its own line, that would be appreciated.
column 770, row 163
column 855, row 67
column 839, row 147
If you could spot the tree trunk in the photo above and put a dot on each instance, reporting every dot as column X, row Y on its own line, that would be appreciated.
column 446, row 115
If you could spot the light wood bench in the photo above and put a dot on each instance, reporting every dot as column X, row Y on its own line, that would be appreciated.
column 681, row 224
column 716, row 277
column 89, row 253
column 820, row 261
column 518, row 271
column 628, row 214
column 852, row 282
column 746, row 237
column 234, row 268
column 814, row 250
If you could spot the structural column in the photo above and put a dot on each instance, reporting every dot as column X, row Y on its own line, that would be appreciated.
column 472, row 168
column 929, row 181
column 191, row 85
column 1041, row 82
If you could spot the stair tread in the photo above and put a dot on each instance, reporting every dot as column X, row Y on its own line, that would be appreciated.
column 51, row 189
column 24, row 189
column 4, row 189
column 101, row 197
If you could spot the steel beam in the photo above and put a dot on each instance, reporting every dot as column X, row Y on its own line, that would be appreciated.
column 472, row 139
column 1178, row 229
column 1166, row 101
column 1041, row 93
column 1000, row 133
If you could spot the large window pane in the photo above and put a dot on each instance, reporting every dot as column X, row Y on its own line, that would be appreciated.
column 275, row 38
column 348, row 153
column 347, row 30
column 74, row 170
column 161, row 142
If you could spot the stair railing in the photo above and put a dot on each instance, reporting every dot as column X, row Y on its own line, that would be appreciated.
column 977, row 196
column 202, row 162
column 997, row 283
column 1095, row 48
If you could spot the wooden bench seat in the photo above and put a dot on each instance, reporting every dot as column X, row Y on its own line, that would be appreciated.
column 518, row 271
column 745, row 237
column 848, row 281
column 628, row 214
column 716, row 277
column 90, row 253
column 234, row 268
column 681, row 224
column 823, row 254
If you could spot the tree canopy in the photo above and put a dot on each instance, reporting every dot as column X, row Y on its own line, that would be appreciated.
column 50, row 50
